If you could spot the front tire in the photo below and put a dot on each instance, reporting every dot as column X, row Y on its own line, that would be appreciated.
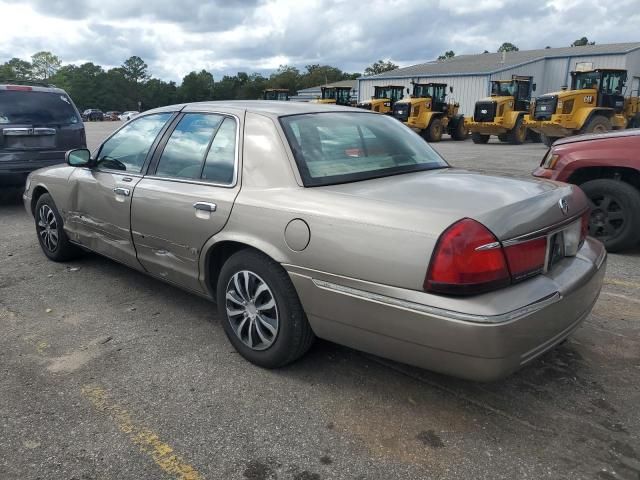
column 261, row 313
column 459, row 131
column 51, row 235
column 479, row 138
column 433, row 133
column 598, row 124
column 518, row 134
column 615, row 213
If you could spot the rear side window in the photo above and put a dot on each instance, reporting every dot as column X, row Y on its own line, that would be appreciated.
column 36, row 108
column 334, row 147
column 127, row 149
column 202, row 146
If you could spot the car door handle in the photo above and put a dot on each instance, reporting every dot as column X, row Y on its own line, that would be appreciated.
column 122, row 191
column 205, row 206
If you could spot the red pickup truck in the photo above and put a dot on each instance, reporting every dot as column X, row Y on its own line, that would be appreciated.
column 607, row 168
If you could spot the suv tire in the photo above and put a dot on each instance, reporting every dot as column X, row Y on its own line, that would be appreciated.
column 615, row 214
column 51, row 235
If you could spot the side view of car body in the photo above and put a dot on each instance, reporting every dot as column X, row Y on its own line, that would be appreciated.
column 305, row 220
column 112, row 116
column 128, row 115
column 93, row 115
column 38, row 124
column 607, row 168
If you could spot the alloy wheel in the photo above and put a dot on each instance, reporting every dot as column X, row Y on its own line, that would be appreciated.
column 607, row 217
column 252, row 310
column 48, row 228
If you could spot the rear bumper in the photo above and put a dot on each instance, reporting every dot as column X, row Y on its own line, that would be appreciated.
column 463, row 344
column 15, row 166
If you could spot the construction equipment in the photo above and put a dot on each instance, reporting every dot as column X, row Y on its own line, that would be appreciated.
column 503, row 113
column 595, row 103
column 428, row 112
column 281, row 94
column 335, row 95
column 384, row 97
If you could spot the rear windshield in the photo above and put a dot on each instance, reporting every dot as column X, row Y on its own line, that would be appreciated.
column 339, row 147
column 36, row 108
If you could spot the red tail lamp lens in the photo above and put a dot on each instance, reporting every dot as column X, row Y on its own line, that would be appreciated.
column 526, row 259
column 460, row 267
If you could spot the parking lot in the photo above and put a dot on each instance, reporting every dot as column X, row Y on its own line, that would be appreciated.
column 109, row 374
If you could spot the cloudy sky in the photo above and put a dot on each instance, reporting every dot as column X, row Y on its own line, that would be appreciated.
column 175, row 37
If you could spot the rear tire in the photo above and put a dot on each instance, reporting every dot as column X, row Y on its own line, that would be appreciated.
column 267, row 337
column 615, row 213
column 548, row 141
column 433, row 133
column 597, row 124
column 51, row 235
column 459, row 131
column 479, row 138
column 518, row 134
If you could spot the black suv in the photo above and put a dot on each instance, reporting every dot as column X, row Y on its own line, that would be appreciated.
column 92, row 115
column 38, row 124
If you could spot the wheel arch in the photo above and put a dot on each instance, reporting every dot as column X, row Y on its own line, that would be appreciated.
column 625, row 174
column 217, row 251
column 585, row 115
column 37, row 193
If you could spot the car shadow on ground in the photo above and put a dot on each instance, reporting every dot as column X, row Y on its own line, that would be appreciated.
column 10, row 196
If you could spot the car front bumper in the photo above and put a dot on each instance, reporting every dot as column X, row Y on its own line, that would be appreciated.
column 389, row 322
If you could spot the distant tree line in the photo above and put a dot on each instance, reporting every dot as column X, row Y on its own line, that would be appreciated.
column 121, row 88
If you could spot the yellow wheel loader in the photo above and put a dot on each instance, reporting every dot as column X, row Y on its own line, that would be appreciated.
column 281, row 94
column 383, row 99
column 502, row 114
column 428, row 112
column 335, row 95
column 595, row 103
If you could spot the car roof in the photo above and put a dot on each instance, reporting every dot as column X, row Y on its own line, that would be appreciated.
column 632, row 132
column 33, row 87
column 265, row 107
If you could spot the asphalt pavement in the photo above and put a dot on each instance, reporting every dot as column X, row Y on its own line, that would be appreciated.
column 108, row 374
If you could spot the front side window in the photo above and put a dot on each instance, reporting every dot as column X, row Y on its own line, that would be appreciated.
column 587, row 80
column 340, row 147
column 127, row 149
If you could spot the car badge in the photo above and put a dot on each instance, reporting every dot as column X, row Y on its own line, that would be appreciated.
column 564, row 206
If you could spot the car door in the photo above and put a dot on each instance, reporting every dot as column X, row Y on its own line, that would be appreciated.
column 100, row 214
column 187, row 196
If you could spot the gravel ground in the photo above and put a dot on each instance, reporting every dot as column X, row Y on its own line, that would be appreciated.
column 108, row 374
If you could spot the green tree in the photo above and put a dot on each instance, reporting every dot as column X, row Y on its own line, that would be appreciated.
column 44, row 65
column 379, row 67
column 197, row 87
column 508, row 47
column 447, row 55
column 286, row 77
column 15, row 69
column 135, row 70
column 581, row 42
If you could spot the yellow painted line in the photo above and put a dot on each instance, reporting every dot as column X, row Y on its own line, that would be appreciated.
column 621, row 283
column 41, row 346
column 147, row 441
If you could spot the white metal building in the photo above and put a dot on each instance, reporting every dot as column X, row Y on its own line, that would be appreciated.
column 470, row 75
column 308, row 94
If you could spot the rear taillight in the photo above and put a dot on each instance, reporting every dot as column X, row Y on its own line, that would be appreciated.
column 467, row 260
column 526, row 259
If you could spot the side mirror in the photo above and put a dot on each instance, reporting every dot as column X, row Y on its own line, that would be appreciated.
column 533, row 87
column 450, row 89
column 80, row 157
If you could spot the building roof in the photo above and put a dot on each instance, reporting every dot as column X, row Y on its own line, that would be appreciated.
column 485, row 63
column 342, row 83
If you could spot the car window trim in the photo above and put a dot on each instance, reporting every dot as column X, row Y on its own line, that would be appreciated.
column 153, row 166
column 152, row 148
